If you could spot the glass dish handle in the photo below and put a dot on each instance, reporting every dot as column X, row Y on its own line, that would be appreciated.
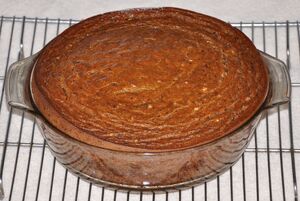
column 280, row 81
column 17, row 84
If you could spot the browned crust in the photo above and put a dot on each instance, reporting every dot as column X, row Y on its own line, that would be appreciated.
column 55, row 118
column 52, row 114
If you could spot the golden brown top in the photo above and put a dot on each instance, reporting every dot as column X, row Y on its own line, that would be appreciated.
column 155, row 79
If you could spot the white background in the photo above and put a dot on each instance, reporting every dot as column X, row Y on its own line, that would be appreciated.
column 230, row 10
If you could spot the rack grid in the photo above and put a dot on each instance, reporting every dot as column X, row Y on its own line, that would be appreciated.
column 268, row 170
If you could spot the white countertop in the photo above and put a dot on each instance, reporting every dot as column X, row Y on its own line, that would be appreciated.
column 230, row 10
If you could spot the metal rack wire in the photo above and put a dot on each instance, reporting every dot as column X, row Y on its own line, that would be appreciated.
column 268, row 170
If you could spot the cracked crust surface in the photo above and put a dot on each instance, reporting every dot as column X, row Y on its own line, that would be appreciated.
column 153, row 79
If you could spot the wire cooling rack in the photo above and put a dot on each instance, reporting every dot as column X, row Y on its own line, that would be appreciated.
column 268, row 170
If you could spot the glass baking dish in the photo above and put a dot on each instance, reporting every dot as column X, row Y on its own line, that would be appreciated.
column 145, row 170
